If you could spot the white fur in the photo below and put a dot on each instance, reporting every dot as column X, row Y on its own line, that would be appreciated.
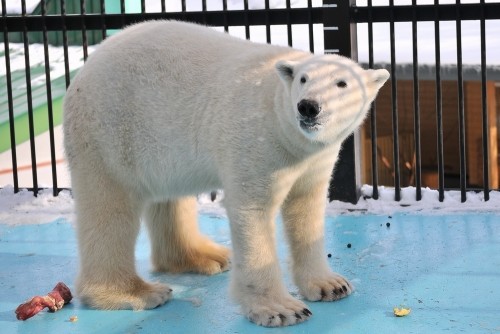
column 166, row 110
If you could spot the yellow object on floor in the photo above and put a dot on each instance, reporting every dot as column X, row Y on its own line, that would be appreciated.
column 401, row 312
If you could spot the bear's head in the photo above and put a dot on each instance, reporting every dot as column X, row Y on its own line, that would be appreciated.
column 329, row 95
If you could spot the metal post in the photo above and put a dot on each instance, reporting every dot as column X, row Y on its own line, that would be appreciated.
column 340, row 38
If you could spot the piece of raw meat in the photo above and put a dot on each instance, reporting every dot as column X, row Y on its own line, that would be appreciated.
column 54, row 300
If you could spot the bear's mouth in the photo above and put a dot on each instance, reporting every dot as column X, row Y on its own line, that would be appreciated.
column 311, row 125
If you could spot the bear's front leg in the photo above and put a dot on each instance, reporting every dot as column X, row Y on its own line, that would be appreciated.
column 303, row 215
column 256, row 279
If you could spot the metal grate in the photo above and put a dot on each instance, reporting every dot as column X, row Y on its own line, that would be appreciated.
column 435, row 13
column 339, row 19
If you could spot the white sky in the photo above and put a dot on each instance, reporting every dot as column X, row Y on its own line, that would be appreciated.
column 174, row 5
column 471, row 44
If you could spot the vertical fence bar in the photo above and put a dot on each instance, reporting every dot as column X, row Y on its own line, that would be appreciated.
column 268, row 25
column 416, row 105
column 204, row 10
column 48, row 86
column 84, row 31
column 8, row 77
column 224, row 9
column 394, row 99
column 65, row 43
column 183, row 8
column 143, row 6
column 461, row 109
column 373, row 110
column 122, row 12
column 288, row 23
column 311, row 27
column 247, row 25
column 439, row 102
column 103, row 19
column 340, row 37
column 163, row 7
column 484, row 102
column 29, row 100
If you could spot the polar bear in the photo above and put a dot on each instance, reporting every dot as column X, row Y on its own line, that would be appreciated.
column 166, row 110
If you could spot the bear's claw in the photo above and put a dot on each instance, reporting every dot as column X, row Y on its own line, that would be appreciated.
column 329, row 288
column 274, row 315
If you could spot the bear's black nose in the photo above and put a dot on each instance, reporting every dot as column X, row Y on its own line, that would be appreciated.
column 308, row 108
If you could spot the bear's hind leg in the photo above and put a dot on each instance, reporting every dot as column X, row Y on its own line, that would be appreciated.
column 177, row 245
column 108, row 224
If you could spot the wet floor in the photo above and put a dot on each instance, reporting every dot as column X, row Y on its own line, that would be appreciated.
column 446, row 268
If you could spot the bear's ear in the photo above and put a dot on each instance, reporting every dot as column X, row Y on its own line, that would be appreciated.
column 285, row 69
column 378, row 77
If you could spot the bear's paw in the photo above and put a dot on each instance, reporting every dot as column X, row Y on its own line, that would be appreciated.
column 138, row 296
column 201, row 256
column 270, row 312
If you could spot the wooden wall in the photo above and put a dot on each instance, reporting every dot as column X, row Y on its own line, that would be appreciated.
column 428, row 134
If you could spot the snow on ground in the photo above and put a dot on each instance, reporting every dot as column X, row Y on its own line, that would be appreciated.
column 408, row 203
column 14, row 6
column 37, row 58
column 23, row 208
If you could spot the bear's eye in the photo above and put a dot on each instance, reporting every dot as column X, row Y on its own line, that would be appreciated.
column 341, row 84
column 303, row 80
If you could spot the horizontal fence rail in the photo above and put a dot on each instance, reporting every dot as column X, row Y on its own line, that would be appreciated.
column 422, row 13
column 338, row 19
column 214, row 18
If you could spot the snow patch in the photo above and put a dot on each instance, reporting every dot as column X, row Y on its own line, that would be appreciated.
column 15, row 6
column 24, row 208
column 429, row 204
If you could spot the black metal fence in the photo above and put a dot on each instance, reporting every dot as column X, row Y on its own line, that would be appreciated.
column 337, row 18
column 434, row 13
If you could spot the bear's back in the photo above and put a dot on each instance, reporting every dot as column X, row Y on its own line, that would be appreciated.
column 161, row 66
column 184, row 46
column 171, row 57
column 164, row 81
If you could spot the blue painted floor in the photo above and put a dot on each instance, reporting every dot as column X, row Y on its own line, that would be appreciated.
column 445, row 268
